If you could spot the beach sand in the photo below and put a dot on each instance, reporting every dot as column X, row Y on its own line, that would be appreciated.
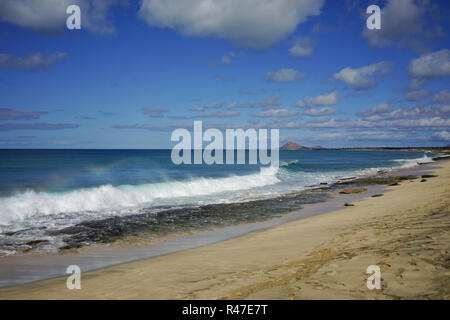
column 406, row 232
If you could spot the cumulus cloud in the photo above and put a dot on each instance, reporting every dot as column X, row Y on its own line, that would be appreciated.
column 50, row 15
column 10, row 114
column 316, row 112
column 284, row 75
column 222, row 114
column 154, row 112
column 442, row 96
column 391, row 125
column 226, row 60
column 302, row 47
column 256, row 24
column 37, row 126
column 376, row 110
column 359, row 136
column 143, row 127
column 364, row 77
column 428, row 67
column 432, row 65
column 31, row 61
column 326, row 99
column 276, row 113
column 202, row 108
column 386, row 112
column 267, row 103
column 328, row 136
column 442, row 135
column 417, row 95
column 402, row 23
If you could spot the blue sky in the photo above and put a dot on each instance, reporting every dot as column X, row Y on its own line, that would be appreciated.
column 138, row 70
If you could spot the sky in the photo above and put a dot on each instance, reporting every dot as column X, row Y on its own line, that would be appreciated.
column 137, row 70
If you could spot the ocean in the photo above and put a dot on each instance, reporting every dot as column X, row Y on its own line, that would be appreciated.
column 52, row 198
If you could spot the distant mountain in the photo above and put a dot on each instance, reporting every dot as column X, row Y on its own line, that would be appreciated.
column 295, row 146
column 292, row 146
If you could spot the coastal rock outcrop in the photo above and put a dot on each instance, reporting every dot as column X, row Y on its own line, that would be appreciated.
column 355, row 190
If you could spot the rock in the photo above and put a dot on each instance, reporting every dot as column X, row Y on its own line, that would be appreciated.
column 349, row 204
column 377, row 195
column 377, row 180
column 35, row 242
column 323, row 183
column 393, row 184
column 423, row 180
column 351, row 191
column 429, row 176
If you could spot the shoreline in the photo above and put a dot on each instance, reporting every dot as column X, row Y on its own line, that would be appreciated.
column 34, row 267
column 38, row 266
column 297, row 259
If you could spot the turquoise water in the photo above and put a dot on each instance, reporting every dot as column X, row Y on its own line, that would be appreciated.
column 42, row 182
column 55, row 189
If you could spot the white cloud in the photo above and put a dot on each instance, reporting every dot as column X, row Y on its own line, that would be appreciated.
column 326, row 99
column 364, row 77
column 360, row 135
column 402, row 23
column 276, row 113
column 442, row 96
column 376, row 110
column 328, row 136
column 223, row 114
column 202, row 108
column 385, row 112
column 417, row 95
column 154, row 112
column 257, row 24
column 316, row 112
column 428, row 67
column 302, row 47
column 31, row 61
column 228, row 57
column 50, row 15
column 226, row 60
column 432, row 65
column 267, row 103
column 284, row 75
column 442, row 135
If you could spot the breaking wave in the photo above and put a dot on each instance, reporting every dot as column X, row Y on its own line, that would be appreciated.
column 106, row 197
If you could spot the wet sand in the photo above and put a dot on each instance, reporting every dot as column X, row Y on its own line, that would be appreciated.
column 406, row 232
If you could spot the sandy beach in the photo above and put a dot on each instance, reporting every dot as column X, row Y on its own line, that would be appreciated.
column 406, row 232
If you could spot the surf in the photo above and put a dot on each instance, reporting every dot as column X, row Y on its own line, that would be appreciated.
column 109, row 197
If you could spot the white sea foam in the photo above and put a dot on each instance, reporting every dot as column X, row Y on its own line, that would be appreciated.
column 106, row 197
column 287, row 163
column 410, row 163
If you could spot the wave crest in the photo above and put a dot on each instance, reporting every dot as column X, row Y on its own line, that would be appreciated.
column 107, row 197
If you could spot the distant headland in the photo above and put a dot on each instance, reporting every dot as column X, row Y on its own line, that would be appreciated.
column 295, row 146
